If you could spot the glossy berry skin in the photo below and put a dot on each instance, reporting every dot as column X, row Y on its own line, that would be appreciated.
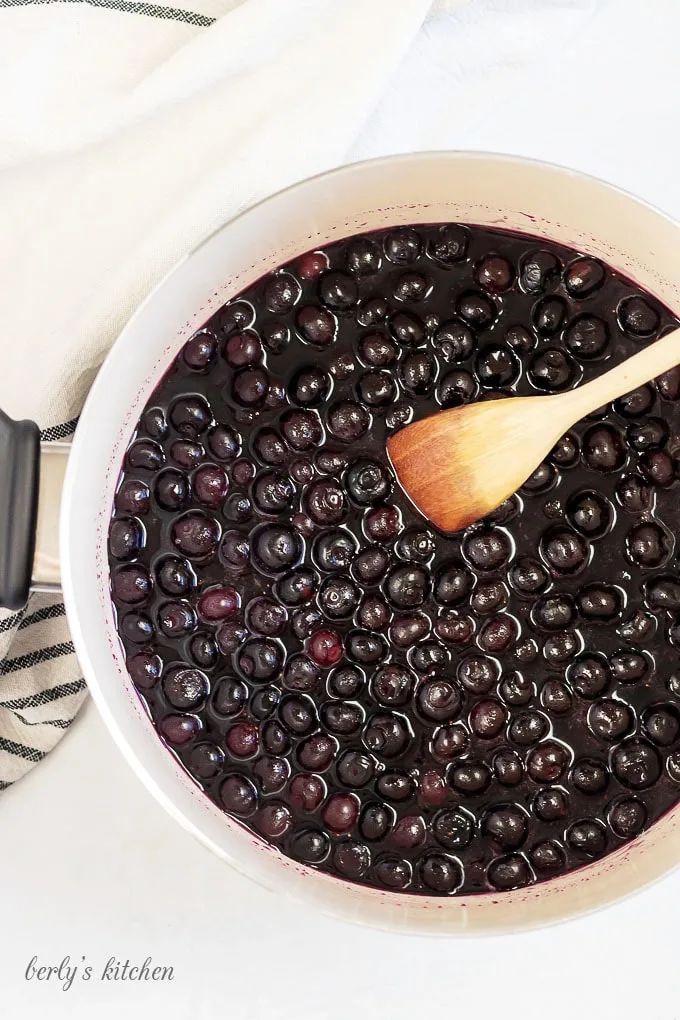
column 428, row 714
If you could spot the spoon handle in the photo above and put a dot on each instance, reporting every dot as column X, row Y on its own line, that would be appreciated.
column 636, row 370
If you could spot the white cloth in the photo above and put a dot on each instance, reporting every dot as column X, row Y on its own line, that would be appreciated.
column 130, row 129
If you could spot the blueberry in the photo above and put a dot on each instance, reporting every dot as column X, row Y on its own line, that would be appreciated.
column 190, row 415
column 409, row 628
column 478, row 673
column 317, row 752
column 351, row 859
column 471, row 778
column 547, row 857
column 144, row 454
column 456, row 388
column 363, row 256
column 487, row 548
column 345, row 682
column 387, row 735
column 376, row 821
column 549, row 315
column 547, row 762
column 224, row 442
column 528, row 727
column 439, row 700
column 411, row 287
column 301, row 673
column 590, row 513
column 589, row 675
column 505, row 825
column 382, row 524
column 520, row 339
column 494, row 273
column 407, row 328
column 325, row 647
column 310, row 846
column 154, row 422
column 338, row 291
column 348, row 421
column 402, row 245
column 583, row 277
column 206, row 760
column 636, row 403
column 126, row 538
column 587, row 837
column 355, row 769
column 301, row 429
column 507, row 767
column 132, row 497
column 476, row 309
column 275, row 548
column 662, row 724
column 667, row 384
column 627, row 817
column 238, row 795
column 281, row 292
column 317, row 326
column 310, row 386
column 377, row 389
column 392, row 685
column 334, row 550
column 306, row 792
column 378, row 349
column 551, row 805
column 633, row 494
column 297, row 714
column 539, row 270
column 565, row 551
column 551, row 370
column 418, row 372
column 589, row 776
column 449, row 742
column 509, row 872
column 497, row 366
column 449, row 244
column 370, row 565
column 638, row 318
column 600, row 602
column 454, row 341
column 407, row 586
column 440, row 874
column 554, row 612
column 338, row 597
column 176, row 619
column 260, row 659
column 275, row 336
column 528, row 577
column 487, row 719
column 649, row 545
column 145, row 669
column 395, row 786
column 371, row 311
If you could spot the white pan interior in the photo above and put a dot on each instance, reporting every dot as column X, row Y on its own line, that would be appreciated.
column 484, row 189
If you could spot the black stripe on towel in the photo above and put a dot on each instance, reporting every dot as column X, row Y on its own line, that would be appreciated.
column 48, row 613
column 128, row 7
column 67, row 428
column 46, row 696
column 21, row 750
column 36, row 658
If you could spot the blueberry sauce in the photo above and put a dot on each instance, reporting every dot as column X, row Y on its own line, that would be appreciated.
column 420, row 712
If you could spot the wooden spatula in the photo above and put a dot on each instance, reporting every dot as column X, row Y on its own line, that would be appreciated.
column 459, row 465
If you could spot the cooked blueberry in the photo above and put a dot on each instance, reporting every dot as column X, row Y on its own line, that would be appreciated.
column 638, row 317
column 402, row 245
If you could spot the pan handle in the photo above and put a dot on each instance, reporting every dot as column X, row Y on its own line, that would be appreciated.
column 19, row 486
column 31, row 483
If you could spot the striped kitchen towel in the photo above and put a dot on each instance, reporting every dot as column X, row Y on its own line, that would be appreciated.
column 129, row 130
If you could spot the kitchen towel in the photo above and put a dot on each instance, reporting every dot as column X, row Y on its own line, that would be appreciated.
column 128, row 131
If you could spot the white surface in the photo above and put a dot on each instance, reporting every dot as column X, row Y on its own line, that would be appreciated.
column 91, row 865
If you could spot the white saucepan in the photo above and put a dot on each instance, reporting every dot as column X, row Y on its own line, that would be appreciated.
column 489, row 190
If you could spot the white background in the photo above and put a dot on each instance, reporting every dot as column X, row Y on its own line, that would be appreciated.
column 91, row 866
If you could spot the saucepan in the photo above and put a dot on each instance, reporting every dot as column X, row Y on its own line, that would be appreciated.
column 72, row 488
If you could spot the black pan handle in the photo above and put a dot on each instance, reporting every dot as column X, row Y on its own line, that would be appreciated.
column 19, row 484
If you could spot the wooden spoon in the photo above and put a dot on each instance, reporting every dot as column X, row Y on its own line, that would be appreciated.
column 459, row 465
